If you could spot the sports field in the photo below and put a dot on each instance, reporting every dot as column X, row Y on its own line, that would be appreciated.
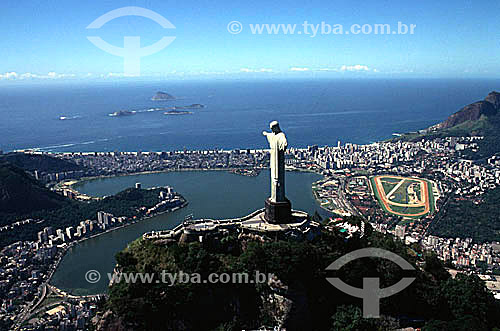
column 403, row 196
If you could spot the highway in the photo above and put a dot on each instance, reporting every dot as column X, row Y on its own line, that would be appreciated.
column 344, row 203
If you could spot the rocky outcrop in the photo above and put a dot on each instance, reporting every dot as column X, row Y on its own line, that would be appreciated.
column 277, row 307
column 159, row 96
column 109, row 322
column 474, row 111
column 494, row 99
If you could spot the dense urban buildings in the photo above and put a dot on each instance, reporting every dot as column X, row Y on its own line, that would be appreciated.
column 346, row 189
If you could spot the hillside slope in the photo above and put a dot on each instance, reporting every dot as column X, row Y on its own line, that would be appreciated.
column 22, row 194
column 472, row 112
column 488, row 108
column 40, row 162
column 298, row 297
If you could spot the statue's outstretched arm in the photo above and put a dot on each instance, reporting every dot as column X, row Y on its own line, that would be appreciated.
column 269, row 136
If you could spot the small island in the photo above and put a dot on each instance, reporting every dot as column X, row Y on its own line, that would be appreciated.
column 162, row 96
column 122, row 113
column 246, row 172
column 192, row 106
column 177, row 112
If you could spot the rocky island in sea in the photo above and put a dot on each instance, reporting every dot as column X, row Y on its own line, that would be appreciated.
column 162, row 96
column 174, row 110
column 178, row 112
column 182, row 110
column 191, row 106
column 122, row 113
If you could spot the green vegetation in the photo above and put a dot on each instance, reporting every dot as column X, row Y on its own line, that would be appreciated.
column 315, row 304
column 23, row 197
column 377, row 195
column 487, row 126
column 490, row 145
column 391, row 180
column 465, row 129
column 388, row 186
column 432, row 198
column 401, row 194
column 466, row 219
column 40, row 162
column 408, row 210
column 21, row 193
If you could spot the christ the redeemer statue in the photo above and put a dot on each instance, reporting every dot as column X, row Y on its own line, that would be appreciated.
column 277, row 143
column 278, row 208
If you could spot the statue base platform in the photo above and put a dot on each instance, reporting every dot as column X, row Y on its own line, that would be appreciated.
column 278, row 212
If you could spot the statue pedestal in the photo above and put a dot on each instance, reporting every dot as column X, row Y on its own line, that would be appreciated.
column 278, row 212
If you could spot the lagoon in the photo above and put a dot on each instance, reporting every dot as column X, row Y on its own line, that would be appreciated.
column 211, row 194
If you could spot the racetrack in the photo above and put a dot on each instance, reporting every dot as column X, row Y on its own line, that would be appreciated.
column 415, row 202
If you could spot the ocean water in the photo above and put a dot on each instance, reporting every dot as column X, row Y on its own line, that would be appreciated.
column 310, row 112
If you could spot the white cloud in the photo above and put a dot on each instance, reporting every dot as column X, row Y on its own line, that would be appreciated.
column 256, row 70
column 117, row 75
column 343, row 68
column 55, row 75
column 113, row 74
column 357, row 67
column 225, row 72
column 9, row 75
column 29, row 75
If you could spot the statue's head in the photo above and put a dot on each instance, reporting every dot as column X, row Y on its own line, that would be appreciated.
column 275, row 127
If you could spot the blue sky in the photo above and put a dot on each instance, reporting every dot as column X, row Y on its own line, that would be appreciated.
column 48, row 39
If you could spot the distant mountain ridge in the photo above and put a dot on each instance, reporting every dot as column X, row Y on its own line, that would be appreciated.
column 494, row 99
column 473, row 112
column 481, row 118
